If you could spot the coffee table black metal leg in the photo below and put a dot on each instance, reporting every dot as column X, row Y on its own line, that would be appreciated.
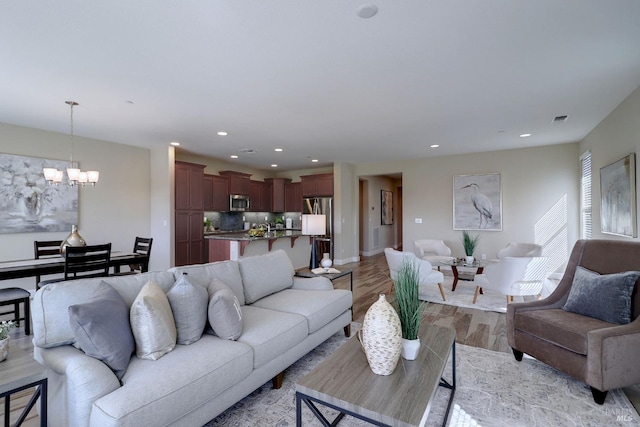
column 444, row 383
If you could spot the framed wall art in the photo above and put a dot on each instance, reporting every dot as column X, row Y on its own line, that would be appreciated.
column 28, row 204
column 386, row 207
column 618, row 197
column 477, row 202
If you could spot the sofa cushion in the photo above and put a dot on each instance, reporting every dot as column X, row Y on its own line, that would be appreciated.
column 187, row 378
column 51, row 303
column 227, row 271
column 188, row 303
column 101, row 328
column 318, row 307
column 224, row 312
column 559, row 327
column 606, row 297
column 152, row 323
column 265, row 274
column 270, row 333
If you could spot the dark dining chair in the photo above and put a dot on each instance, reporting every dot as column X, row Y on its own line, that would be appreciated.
column 142, row 246
column 45, row 249
column 87, row 261
column 14, row 297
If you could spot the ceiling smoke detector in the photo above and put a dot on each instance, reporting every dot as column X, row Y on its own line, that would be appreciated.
column 367, row 11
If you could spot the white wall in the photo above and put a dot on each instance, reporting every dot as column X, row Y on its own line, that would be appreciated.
column 615, row 137
column 540, row 197
column 116, row 210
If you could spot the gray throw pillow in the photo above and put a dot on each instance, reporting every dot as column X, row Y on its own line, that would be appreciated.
column 189, row 303
column 102, row 330
column 152, row 323
column 606, row 297
column 225, row 314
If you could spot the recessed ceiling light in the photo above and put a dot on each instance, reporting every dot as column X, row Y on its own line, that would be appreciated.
column 314, row 160
column 367, row 11
column 222, row 133
column 525, row 135
column 274, row 165
column 175, row 143
column 434, row 146
column 233, row 156
column 277, row 149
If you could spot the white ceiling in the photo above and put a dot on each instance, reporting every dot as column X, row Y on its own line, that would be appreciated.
column 315, row 79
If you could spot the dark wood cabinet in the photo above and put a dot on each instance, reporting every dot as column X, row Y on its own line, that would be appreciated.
column 189, row 213
column 293, row 197
column 255, row 195
column 277, row 194
column 317, row 185
column 216, row 193
column 239, row 182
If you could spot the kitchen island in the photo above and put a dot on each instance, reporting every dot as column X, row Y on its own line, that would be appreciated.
column 236, row 245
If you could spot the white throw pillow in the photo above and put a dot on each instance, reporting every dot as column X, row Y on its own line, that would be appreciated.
column 225, row 315
column 152, row 323
column 188, row 302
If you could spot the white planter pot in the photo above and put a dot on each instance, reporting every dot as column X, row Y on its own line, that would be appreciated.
column 410, row 348
column 4, row 348
column 468, row 259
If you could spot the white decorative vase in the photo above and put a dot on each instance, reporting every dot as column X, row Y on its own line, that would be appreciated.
column 73, row 239
column 326, row 262
column 381, row 337
column 4, row 348
column 468, row 259
column 410, row 348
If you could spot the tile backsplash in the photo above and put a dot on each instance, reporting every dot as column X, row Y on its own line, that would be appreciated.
column 233, row 221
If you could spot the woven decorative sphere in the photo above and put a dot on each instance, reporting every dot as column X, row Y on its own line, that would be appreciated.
column 382, row 337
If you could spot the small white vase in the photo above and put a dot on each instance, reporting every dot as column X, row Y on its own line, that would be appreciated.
column 4, row 348
column 410, row 348
column 468, row 259
column 326, row 262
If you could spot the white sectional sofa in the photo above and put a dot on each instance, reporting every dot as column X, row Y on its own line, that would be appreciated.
column 283, row 318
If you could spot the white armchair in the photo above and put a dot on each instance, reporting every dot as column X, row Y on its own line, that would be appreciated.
column 426, row 274
column 513, row 276
column 432, row 250
column 520, row 250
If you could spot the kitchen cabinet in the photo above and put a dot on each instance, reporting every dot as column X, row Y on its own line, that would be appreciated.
column 239, row 182
column 277, row 193
column 216, row 193
column 189, row 213
column 293, row 197
column 257, row 196
column 317, row 185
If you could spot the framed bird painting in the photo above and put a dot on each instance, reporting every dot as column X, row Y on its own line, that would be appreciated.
column 477, row 202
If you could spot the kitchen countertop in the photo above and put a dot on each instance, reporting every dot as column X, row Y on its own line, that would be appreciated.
column 244, row 235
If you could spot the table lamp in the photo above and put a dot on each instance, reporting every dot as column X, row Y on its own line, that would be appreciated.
column 314, row 225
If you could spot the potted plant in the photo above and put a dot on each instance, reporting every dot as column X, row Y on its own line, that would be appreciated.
column 5, row 328
column 409, row 307
column 469, row 243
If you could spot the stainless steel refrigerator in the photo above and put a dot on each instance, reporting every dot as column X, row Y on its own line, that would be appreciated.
column 322, row 206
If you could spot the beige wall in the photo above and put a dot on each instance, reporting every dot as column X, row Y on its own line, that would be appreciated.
column 116, row 210
column 615, row 137
column 540, row 197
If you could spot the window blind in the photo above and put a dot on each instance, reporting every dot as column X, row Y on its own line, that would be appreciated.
column 585, row 196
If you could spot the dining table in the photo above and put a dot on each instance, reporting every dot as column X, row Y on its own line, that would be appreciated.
column 33, row 267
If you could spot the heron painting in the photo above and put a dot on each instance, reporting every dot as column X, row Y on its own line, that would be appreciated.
column 477, row 202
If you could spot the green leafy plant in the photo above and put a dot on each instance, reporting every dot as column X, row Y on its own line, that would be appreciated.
column 409, row 307
column 469, row 242
column 5, row 328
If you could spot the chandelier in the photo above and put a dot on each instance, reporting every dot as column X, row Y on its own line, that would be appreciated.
column 75, row 175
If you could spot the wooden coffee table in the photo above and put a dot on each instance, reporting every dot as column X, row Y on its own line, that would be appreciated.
column 344, row 381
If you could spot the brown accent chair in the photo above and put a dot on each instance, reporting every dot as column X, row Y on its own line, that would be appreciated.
column 601, row 354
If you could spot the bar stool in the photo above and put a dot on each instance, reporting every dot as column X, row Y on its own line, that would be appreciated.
column 15, row 296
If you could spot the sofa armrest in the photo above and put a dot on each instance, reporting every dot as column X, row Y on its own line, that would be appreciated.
column 312, row 283
column 612, row 356
column 82, row 378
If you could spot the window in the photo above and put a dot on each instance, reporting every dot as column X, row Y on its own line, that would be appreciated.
column 585, row 196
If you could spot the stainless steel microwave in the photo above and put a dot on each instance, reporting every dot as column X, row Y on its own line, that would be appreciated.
column 239, row 202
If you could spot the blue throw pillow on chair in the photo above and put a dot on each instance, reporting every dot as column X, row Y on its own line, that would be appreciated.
column 606, row 297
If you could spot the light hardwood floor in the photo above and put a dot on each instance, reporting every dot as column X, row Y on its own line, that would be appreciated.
column 370, row 279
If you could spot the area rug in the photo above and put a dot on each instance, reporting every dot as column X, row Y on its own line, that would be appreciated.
column 493, row 390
